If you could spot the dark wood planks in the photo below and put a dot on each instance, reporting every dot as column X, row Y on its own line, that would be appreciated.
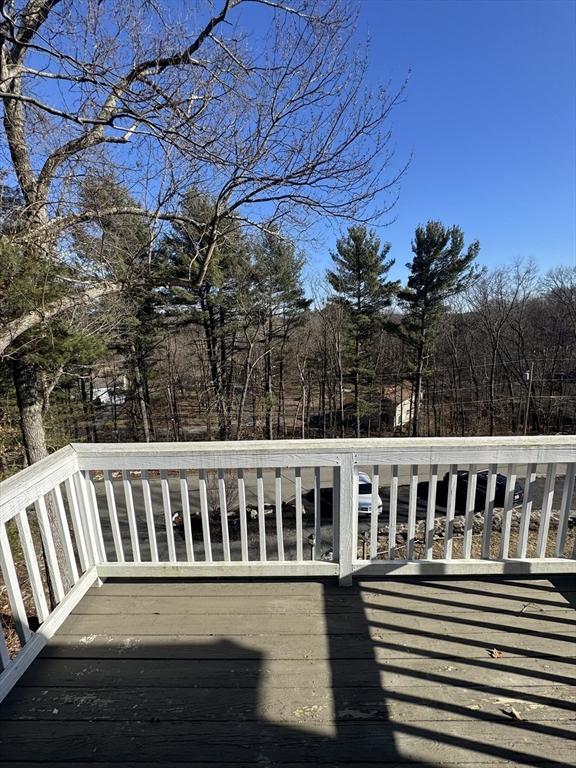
column 303, row 673
column 282, row 624
column 261, row 673
column 356, row 742
column 536, row 703
column 384, row 645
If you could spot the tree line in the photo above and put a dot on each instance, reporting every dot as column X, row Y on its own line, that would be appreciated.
column 158, row 170
column 253, row 352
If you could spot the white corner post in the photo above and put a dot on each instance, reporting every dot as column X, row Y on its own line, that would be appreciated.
column 346, row 518
column 336, row 513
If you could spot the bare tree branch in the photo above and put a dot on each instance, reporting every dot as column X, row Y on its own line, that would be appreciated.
column 284, row 131
column 14, row 329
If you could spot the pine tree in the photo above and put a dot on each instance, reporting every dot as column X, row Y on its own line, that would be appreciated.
column 122, row 247
column 360, row 282
column 439, row 270
column 214, row 305
column 43, row 351
column 280, row 303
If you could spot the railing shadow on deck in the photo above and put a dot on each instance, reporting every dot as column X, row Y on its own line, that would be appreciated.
column 472, row 721
column 204, row 703
column 565, row 585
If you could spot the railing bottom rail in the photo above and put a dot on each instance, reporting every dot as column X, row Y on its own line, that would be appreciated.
column 269, row 570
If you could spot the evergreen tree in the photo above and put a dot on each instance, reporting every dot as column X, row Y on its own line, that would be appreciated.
column 439, row 270
column 121, row 247
column 360, row 282
column 280, row 304
column 215, row 304
column 43, row 351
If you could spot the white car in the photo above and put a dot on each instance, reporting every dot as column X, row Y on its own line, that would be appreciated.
column 365, row 495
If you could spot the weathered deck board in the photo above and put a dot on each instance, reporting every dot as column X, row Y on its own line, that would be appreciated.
column 385, row 645
column 295, row 674
column 95, row 604
column 288, row 705
column 287, row 673
column 511, row 589
column 438, row 763
column 365, row 742
column 540, row 625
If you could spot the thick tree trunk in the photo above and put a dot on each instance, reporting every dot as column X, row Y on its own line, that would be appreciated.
column 141, row 397
column 244, row 394
column 417, row 390
column 85, row 411
column 340, row 386
column 92, row 411
column 281, row 414
column 30, row 399
column 281, row 407
column 268, row 383
column 303, row 395
column 226, row 341
column 357, row 384
column 173, row 396
column 209, row 324
column 492, row 388
column 322, row 399
column 147, row 398
column 31, row 405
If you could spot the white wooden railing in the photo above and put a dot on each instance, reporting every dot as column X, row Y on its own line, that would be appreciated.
column 283, row 508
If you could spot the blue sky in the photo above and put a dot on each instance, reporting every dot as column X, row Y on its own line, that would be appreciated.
column 490, row 118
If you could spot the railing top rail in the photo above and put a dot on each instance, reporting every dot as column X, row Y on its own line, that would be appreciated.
column 328, row 445
column 26, row 486
column 423, row 450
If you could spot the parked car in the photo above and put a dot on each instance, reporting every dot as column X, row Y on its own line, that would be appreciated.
column 481, row 488
column 365, row 495
column 327, row 496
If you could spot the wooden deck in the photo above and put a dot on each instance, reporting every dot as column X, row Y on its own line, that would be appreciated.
column 260, row 674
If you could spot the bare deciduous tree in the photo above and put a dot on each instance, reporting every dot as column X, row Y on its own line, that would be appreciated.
column 166, row 92
column 495, row 297
column 279, row 123
column 561, row 284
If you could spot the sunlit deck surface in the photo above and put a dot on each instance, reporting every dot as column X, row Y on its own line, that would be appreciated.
column 295, row 673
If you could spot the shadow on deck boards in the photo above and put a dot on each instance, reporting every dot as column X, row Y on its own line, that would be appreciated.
column 302, row 673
